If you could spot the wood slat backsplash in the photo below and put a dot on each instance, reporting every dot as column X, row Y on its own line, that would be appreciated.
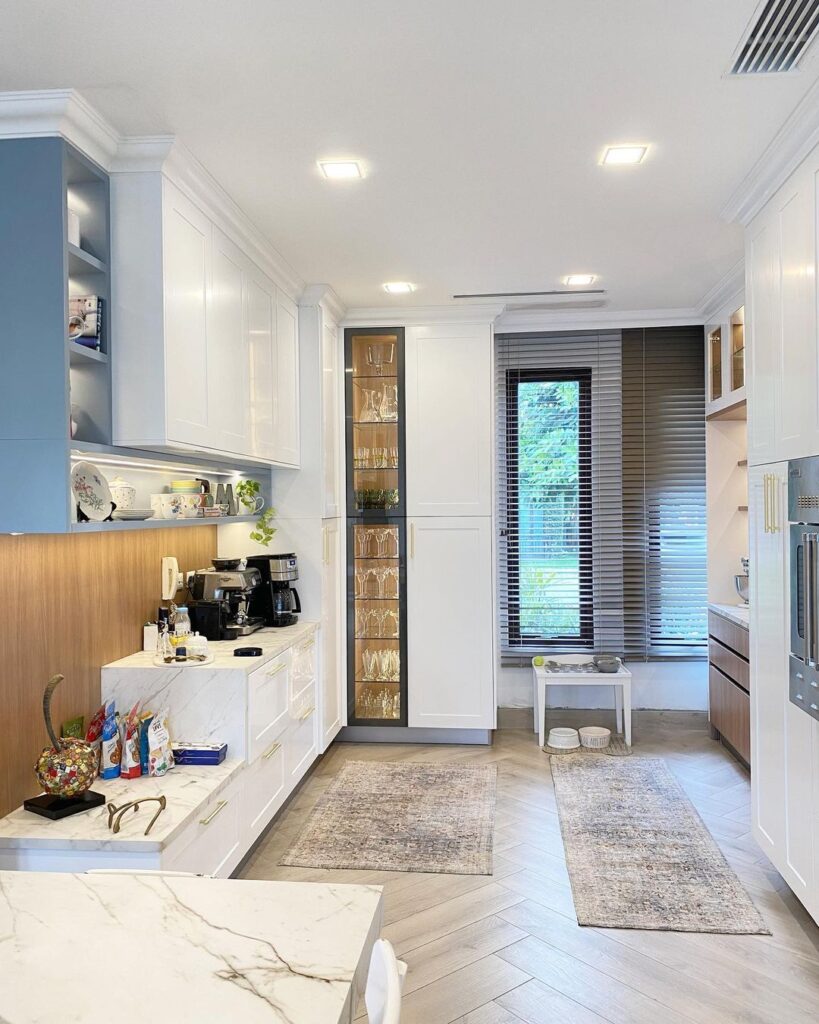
column 71, row 604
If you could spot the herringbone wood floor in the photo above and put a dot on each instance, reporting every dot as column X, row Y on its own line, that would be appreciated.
column 507, row 948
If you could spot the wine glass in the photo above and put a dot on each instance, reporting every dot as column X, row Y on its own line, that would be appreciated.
column 362, row 542
column 391, row 624
column 388, row 407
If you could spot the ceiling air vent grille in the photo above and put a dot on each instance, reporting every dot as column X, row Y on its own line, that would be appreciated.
column 777, row 38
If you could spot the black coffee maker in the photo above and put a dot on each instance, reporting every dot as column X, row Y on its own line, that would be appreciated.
column 276, row 600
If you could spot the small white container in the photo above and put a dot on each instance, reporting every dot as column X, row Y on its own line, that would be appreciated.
column 564, row 739
column 595, row 737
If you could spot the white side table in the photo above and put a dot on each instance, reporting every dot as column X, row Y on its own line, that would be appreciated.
column 619, row 680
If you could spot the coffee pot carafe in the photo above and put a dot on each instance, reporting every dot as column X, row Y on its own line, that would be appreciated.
column 276, row 600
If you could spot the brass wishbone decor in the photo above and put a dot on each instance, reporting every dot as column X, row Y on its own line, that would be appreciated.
column 115, row 814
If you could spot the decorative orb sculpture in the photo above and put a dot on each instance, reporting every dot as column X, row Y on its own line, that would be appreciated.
column 68, row 767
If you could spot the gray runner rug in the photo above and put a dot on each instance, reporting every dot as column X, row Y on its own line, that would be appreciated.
column 638, row 853
column 402, row 816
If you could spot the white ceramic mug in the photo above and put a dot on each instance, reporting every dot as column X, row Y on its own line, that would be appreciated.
column 248, row 509
column 175, row 506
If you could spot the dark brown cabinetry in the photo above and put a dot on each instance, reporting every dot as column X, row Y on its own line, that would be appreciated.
column 729, row 683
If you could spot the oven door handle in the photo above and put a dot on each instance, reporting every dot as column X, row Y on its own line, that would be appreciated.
column 808, row 547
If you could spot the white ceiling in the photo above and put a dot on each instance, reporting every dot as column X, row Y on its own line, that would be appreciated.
column 480, row 125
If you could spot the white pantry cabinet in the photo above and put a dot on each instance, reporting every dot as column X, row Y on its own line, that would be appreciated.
column 449, row 614
column 206, row 344
column 449, row 432
column 332, row 624
column 780, row 269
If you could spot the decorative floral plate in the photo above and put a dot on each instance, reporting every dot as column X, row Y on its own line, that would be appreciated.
column 92, row 492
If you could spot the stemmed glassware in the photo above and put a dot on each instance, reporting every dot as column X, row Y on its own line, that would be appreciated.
column 362, row 542
column 378, row 355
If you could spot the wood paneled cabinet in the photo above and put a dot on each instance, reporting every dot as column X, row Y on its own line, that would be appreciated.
column 729, row 705
column 780, row 273
column 207, row 350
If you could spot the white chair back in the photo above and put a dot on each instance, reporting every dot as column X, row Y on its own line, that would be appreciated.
column 384, row 984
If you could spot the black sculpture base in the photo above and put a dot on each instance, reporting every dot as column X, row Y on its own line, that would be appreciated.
column 56, row 807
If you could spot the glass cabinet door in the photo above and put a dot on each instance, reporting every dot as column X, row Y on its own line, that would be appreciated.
column 715, row 363
column 377, row 620
column 738, row 349
column 375, row 421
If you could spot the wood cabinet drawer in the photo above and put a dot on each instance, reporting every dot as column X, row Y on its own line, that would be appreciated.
column 729, row 634
column 268, row 692
column 729, row 663
column 730, row 712
column 301, row 744
column 211, row 845
column 264, row 790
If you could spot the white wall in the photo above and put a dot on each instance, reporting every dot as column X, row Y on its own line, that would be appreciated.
column 664, row 685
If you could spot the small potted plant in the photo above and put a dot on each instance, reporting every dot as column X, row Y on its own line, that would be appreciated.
column 249, row 494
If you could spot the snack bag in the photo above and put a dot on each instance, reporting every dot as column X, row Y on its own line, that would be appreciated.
column 94, row 731
column 131, row 765
column 74, row 728
column 111, row 747
column 144, row 754
column 160, row 755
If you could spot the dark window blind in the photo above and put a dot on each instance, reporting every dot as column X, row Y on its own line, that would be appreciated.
column 664, row 516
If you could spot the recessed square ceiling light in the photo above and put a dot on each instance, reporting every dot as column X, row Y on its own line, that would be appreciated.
column 579, row 280
column 624, row 154
column 340, row 169
column 399, row 287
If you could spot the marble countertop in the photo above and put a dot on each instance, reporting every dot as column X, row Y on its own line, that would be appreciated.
column 187, row 787
column 738, row 613
column 272, row 642
column 131, row 948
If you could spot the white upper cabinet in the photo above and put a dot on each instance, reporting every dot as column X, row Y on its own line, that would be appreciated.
column 331, row 433
column 206, row 344
column 780, row 270
column 449, row 420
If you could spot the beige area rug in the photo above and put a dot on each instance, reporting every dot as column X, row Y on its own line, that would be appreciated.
column 638, row 854
column 402, row 816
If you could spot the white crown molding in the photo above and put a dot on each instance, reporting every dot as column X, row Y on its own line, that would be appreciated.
column 524, row 320
column 729, row 291
column 393, row 316
column 323, row 294
column 780, row 158
column 67, row 114
column 61, row 112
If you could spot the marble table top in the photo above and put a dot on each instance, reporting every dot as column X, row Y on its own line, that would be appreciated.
column 187, row 787
column 738, row 613
column 131, row 948
column 271, row 640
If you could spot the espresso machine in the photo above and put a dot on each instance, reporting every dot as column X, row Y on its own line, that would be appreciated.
column 276, row 601
column 221, row 600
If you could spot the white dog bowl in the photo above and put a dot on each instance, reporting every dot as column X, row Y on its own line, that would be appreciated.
column 595, row 737
column 564, row 739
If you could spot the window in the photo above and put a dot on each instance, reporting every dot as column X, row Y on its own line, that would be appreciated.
column 549, row 512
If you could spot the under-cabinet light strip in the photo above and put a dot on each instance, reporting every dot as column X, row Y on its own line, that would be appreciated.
column 170, row 467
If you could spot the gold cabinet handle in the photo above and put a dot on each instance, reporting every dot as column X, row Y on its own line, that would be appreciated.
column 216, row 810
column 279, row 668
column 306, row 714
column 269, row 753
column 774, row 503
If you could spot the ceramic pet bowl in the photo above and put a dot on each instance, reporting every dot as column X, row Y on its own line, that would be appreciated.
column 564, row 739
column 595, row 737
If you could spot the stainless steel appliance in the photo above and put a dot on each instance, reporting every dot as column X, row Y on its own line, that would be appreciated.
column 276, row 601
column 220, row 606
column 803, row 515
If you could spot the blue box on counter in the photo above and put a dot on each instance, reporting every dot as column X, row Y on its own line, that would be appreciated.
column 199, row 753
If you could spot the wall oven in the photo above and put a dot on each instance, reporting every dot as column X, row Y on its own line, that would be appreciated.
column 803, row 515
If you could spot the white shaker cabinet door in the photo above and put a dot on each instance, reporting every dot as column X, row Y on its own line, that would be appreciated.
column 331, row 434
column 187, row 247
column 228, row 365
column 769, row 630
column 449, row 420
column 261, row 340
column 286, row 390
column 449, row 623
column 332, row 624
column 764, row 341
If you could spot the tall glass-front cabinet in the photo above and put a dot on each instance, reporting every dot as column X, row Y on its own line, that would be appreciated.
column 376, row 527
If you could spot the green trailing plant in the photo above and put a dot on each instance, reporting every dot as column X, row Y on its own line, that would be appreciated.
column 248, row 492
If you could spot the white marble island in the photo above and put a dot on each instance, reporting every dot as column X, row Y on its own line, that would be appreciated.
column 131, row 948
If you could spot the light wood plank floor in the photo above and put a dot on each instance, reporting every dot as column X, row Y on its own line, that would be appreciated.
column 507, row 948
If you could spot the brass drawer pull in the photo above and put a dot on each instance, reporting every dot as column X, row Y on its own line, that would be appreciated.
column 279, row 668
column 219, row 807
column 269, row 753
column 306, row 714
